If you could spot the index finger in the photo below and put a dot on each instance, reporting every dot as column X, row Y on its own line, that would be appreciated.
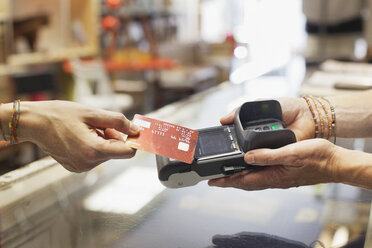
column 115, row 149
column 103, row 119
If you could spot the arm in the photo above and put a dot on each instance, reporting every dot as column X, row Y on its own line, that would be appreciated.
column 69, row 132
column 316, row 160
column 354, row 114
column 353, row 167
column 307, row 162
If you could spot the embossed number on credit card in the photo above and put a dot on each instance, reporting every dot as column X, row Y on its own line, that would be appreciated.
column 164, row 139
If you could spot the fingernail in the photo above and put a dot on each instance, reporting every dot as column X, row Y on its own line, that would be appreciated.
column 134, row 128
column 249, row 159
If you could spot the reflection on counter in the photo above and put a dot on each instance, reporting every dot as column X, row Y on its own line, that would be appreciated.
column 247, row 239
column 126, row 200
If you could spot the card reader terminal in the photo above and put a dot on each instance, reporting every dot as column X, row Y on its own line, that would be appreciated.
column 220, row 150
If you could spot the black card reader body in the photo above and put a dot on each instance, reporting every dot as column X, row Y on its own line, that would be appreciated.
column 220, row 150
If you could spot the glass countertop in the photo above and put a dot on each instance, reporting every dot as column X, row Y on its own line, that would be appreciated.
column 122, row 203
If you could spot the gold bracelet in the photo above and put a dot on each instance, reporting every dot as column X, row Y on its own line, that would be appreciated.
column 328, row 118
column 13, row 123
column 314, row 116
column 333, row 113
column 321, row 132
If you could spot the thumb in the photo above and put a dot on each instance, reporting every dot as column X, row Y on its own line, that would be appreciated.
column 268, row 157
column 103, row 119
column 114, row 148
column 228, row 119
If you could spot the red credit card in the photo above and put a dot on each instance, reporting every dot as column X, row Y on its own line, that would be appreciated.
column 164, row 139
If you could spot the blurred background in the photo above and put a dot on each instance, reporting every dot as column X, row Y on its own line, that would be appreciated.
column 188, row 62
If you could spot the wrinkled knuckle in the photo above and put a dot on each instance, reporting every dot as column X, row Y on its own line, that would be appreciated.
column 89, row 112
column 121, row 119
column 115, row 118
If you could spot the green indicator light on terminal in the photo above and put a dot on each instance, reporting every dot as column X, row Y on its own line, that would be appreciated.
column 274, row 127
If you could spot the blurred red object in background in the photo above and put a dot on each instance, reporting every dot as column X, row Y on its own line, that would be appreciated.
column 110, row 22
column 113, row 3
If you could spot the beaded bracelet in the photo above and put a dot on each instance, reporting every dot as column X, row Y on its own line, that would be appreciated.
column 313, row 114
column 328, row 118
column 333, row 113
column 13, row 123
column 321, row 131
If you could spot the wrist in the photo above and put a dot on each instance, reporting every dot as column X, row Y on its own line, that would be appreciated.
column 306, row 113
column 30, row 121
column 353, row 167
column 27, row 121
column 322, row 113
column 6, row 111
column 306, row 116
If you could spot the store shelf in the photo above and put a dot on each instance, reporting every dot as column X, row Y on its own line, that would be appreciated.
column 50, row 57
column 56, row 40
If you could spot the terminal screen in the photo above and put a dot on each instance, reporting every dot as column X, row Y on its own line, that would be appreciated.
column 213, row 143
